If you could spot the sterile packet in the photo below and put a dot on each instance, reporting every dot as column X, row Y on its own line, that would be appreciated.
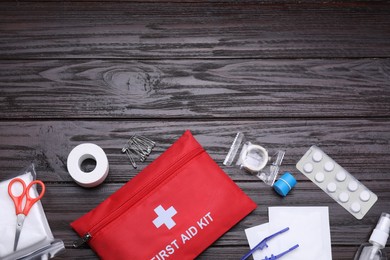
column 36, row 239
column 254, row 159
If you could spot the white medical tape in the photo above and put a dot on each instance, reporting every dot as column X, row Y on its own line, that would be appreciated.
column 81, row 153
column 247, row 163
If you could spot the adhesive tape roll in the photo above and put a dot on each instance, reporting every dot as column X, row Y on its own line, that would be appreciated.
column 255, row 158
column 285, row 184
column 81, row 153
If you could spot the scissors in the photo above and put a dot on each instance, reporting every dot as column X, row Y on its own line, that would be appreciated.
column 22, row 212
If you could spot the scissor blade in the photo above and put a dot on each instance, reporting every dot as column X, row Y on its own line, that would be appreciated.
column 17, row 235
column 19, row 224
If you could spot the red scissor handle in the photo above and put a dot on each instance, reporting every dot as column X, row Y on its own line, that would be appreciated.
column 18, row 200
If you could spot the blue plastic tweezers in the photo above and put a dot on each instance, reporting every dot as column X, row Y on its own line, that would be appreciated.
column 263, row 244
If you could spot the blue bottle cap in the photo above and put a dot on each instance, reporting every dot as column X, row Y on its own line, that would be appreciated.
column 285, row 184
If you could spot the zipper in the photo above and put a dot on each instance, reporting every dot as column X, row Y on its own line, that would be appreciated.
column 77, row 243
column 149, row 186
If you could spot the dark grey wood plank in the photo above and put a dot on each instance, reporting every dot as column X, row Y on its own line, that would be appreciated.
column 61, row 210
column 216, row 253
column 360, row 145
column 346, row 231
column 45, row 29
column 195, row 89
column 289, row 74
column 274, row 2
column 338, row 252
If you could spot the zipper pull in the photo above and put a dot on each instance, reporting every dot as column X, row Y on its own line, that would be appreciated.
column 82, row 240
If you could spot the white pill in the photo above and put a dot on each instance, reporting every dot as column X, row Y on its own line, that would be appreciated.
column 355, row 207
column 317, row 156
column 353, row 186
column 364, row 195
column 308, row 167
column 320, row 177
column 331, row 187
column 329, row 166
column 343, row 196
column 341, row 175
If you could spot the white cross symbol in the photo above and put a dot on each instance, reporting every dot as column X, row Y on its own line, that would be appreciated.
column 164, row 217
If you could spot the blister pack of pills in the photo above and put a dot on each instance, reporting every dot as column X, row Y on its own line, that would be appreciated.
column 337, row 182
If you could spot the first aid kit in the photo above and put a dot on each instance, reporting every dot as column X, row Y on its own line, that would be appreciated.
column 175, row 208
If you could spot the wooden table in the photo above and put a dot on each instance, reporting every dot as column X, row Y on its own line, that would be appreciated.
column 289, row 74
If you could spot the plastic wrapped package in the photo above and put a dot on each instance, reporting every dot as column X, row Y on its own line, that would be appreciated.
column 254, row 159
column 36, row 239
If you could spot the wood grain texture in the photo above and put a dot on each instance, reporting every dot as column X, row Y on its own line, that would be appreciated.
column 289, row 74
column 359, row 145
column 306, row 194
column 234, row 238
column 117, row 29
column 195, row 89
column 48, row 143
column 233, row 253
column 218, row 253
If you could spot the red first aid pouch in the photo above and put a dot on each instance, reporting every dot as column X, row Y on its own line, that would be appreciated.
column 174, row 209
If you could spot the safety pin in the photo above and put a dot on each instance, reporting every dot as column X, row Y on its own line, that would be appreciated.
column 128, row 153
column 145, row 140
column 141, row 155
column 140, row 147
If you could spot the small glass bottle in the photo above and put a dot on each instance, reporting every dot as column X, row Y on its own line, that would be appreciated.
column 377, row 241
